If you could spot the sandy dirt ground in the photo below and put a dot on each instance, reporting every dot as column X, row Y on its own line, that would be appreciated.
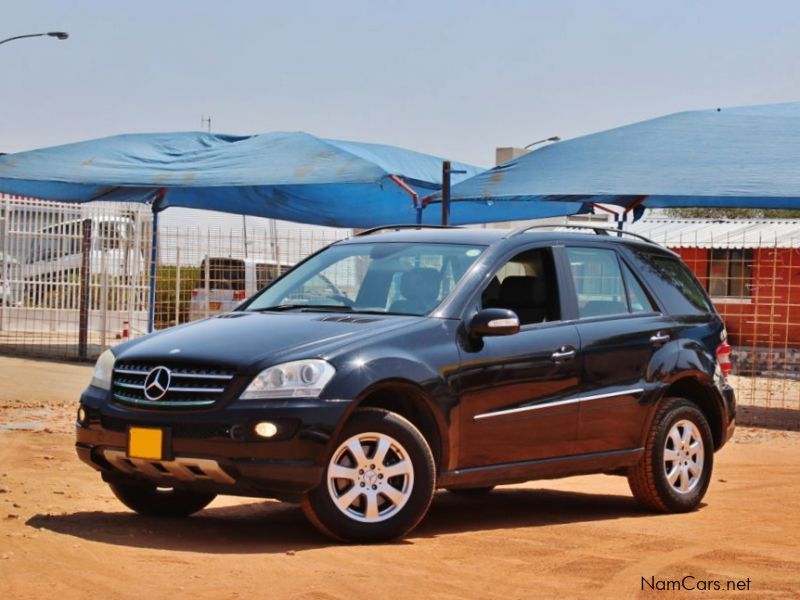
column 63, row 535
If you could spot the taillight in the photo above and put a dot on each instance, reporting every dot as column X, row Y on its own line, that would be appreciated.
column 724, row 358
column 238, row 295
column 195, row 293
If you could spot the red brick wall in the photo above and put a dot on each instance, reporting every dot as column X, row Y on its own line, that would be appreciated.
column 772, row 318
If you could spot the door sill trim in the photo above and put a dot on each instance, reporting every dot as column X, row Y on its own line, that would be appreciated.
column 543, row 468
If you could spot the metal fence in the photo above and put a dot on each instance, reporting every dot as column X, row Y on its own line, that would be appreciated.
column 74, row 279
column 751, row 270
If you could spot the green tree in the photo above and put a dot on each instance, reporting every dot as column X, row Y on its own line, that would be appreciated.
column 732, row 213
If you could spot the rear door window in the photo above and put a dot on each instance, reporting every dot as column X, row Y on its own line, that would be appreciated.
column 598, row 282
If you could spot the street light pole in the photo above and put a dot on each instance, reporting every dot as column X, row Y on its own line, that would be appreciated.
column 60, row 35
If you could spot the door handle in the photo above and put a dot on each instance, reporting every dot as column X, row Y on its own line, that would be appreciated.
column 660, row 337
column 563, row 354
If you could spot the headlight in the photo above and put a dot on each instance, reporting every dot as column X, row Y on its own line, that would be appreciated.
column 102, row 370
column 297, row 379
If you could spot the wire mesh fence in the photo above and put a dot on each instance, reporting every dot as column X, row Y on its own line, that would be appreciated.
column 206, row 271
column 70, row 275
column 74, row 279
column 751, row 270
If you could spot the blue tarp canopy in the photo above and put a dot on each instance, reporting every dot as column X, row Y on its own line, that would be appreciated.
column 746, row 157
column 290, row 176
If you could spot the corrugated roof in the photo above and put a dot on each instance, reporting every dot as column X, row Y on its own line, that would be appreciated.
column 719, row 233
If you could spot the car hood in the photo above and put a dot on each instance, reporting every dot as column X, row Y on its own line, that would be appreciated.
column 246, row 341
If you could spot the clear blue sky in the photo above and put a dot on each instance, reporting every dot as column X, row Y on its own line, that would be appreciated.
column 454, row 78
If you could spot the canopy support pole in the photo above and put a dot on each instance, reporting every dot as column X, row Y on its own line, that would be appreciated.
column 151, row 309
column 619, row 218
column 447, row 170
column 412, row 193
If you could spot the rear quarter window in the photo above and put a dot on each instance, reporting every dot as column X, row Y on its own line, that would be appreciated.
column 677, row 286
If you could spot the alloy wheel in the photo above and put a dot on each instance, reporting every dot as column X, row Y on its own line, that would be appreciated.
column 370, row 477
column 683, row 456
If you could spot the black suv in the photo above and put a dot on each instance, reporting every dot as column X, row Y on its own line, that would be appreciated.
column 405, row 360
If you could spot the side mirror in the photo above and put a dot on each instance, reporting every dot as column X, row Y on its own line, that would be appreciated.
column 494, row 321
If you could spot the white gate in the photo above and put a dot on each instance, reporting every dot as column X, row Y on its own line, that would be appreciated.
column 74, row 279
column 72, row 275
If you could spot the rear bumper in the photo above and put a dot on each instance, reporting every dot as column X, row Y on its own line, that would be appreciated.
column 729, row 425
column 215, row 451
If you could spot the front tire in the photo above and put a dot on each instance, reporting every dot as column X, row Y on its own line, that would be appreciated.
column 674, row 473
column 378, row 483
column 147, row 499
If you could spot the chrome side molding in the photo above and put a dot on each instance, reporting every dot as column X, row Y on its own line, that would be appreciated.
column 511, row 411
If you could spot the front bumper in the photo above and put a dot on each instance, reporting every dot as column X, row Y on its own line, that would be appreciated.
column 217, row 450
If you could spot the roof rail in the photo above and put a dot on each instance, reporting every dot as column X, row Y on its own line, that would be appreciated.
column 404, row 226
column 597, row 230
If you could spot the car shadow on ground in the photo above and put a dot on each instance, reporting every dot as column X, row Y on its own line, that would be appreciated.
column 274, row 527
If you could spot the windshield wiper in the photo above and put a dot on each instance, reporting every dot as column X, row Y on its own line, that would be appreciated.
column 310, row 307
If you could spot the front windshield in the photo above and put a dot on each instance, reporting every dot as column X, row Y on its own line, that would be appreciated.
column 382, row 277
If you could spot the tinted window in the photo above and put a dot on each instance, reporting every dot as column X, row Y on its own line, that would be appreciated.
column 109, row 235
column 223, row 274
column 638, row 299
column 267, row 273
column 527, row 285
column 679, row 289
column 598, row 282
column 57, row 241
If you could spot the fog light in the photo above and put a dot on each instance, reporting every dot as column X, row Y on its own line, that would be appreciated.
column 266, row 429
column 81, row 415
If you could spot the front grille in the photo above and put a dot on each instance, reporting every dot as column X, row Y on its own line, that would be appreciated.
column 179, row 429
column 189, row 387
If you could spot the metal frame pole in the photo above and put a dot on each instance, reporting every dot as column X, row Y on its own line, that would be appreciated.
column 447, row 170
column 151, row 310
column 6, row 283
column 85, row 287
column 178, row 284
column 445, row 192
column 414, row 196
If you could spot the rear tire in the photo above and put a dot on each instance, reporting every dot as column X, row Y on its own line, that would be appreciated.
column 378, row 482
column 147, row 499
column 675, row 470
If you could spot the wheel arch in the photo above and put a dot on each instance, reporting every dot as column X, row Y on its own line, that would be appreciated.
column 705, row 399
column 411, row 402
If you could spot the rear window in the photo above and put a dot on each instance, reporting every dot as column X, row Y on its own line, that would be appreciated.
column 267, row 273
column 223, row 274
column 680, row 290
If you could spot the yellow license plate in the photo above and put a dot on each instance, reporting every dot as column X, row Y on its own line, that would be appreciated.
column 214, row 305
column 146, row 443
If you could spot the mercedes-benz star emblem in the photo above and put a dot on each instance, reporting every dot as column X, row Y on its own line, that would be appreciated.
column 157, row 383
